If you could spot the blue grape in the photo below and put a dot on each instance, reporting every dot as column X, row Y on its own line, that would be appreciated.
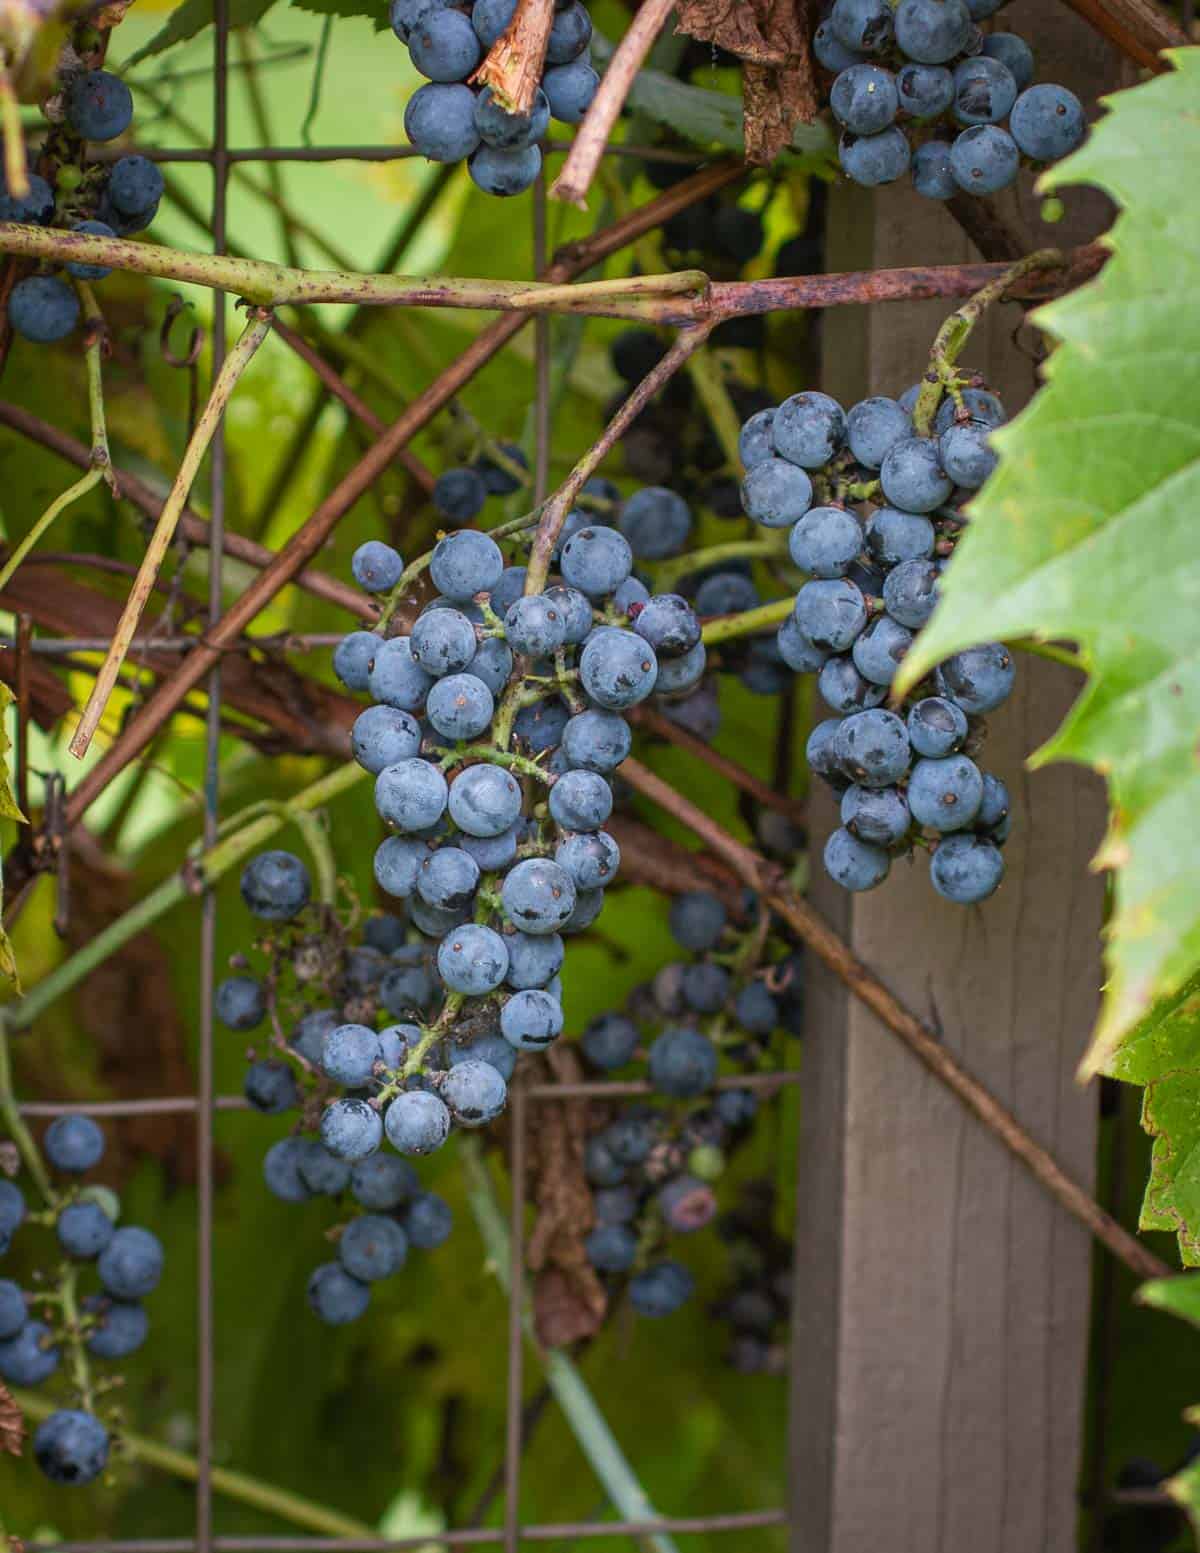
column 984, row 91
column 131, row 1264
column 275, row 886
column 1012, row 52
column 775, row 493
column 576, row 612
column 81, row 269
column 609, row 1041
column 880, row 650
column 83, row 1229
column 661, row 1289
column 406, row 990
column 475, row 1092
column 876, row 815
column 335, row 1297
column 569, row 90
column 351, row 1129
column 825, row 541
column 592, row 859
column 872, row 748
column 448, row 879
column 682, row 1063
column 490, row 18
column 570, row 34
column 353, row 657
column 831, row 52
column 270, row 1087
column 472, row 959
column 873, row 427
column 30, row 1357
column 984, row 159
column 669, row 623
column 439, row 120
column 394, row 1044
column 540, row 725
column 755, row 441
column 874, row 160
column 459, row 494
column 349, row 1054
column 925, row 91
column 978, row 405
column 981, row 9
column 13, row 1312
column 73, row 1144
column 831, row 613
column 965, row 454
column 676, row 675
column 43, row 309
column 535, row 626
column 416, row 1122
column 697, row 919
column 966, row 869
column 1047, row 122
column 531, row 1020
column 443, row 45
column 505, row 173
column 12, row 1212
column 932, row 31
column 120, row 1329
column 657, row 523
column 538, row 896
column 398, row 864
column 411, row 795
column 509, row 589
column 687, row 1204
column 465, row 564
column 755, row 1009
column 492, row 853
column 808, row 429
column 800, row 655
column 933, row 175
column 37, row 208
column 135, row 185
column 322, row 1172
column 492, row 1049
column 844, row 689
column 510, row 131
column 864, row 99
column 588, row 906
column 936, row 727
column 372, row 1247
column 580, row 800
column 71, row 1446
column 913, row 479
column 501, row 481
column 736, row 1107
column 99, row 106
column 429, row 1221
column 443, row 641
column 945, row 794
column 705, row 987
column 910, row 592
column 485, row 800
column 281, row 1170
column 726, row 593
column 492, row 663
column 596, row 560
column 994, row 807
column 460, row 706
column 596, row 740
column 617, row 669
column 533, row 961
column 382, row 1182
column 611, row 1248
column 599, row 1165
column 863, row 25
column 979, row 679
column 855, row 865
column 383, row 736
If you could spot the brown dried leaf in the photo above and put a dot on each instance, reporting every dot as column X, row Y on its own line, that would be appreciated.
column 772, row 37
column 12, row 1424
column 776, row 100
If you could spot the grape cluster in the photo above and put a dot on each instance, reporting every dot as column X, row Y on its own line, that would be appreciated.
column 449, row 120
column 461, row 493
column 918, row 86
column 36, row 1327
column 653, row 1168
column 871, row 506
column 67, row 190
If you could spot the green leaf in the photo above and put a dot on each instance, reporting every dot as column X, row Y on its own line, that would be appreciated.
column 1085, row 532
column 1184, row 1488
column 373, row 9
column 192, row 17
column 1179, row 1296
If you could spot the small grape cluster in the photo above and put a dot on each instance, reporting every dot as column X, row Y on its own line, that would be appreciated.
column 653, row 1169
column 98, row 199
column 448, row 120
column 904, row 777
column 918, row 85
column 756, row 1304
column 72, row 1446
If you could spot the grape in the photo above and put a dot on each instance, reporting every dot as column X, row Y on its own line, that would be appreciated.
column 382, row 1182
column 800, row 655
column 395, row 677
column 738, row 233
column 945, row 794
column 353, row 658
column 322, row 1172
column 936, row 727
column 776, row 493
column 37, row 208
column 428, row 1221
column 726, row 593
column 397, row 865
column 855, row 865
column 372, row 1247
column 614, row 1205
column 443, row 641
column 509, row 589
column 43, row 309
column 611, row 1248
column 539, row 726
column 485, row 800
column 351, row 1129
column 984, row 91
column 736, row 1107
column 863, row 25
column 492, row 1049
column 30, row 1357
column 932, row 31
column 531, row 1020
column 460, row 706
column 71, row 1446
column 448, row 879
column 473, row 959
column 335, row 1297
column 910, row 592
column 831, row 613
column 492, row 853
column 459, row 494
column 439, row 120
column 493, row 663
column 966, row 869
column 411, row 795
column 500, row 481
column 894, row 536
column 83, row 1229
column 505, row 173
column 73, row 1144
column 596, row 740
column 465, row 564
column 475, row 1092
column 121, row 1327
column 876, row 815
column 705, row 987
column 349, row 1054
column 825, row 541
column 490, row 18
column 1013, row 52
column 406, row 990
column 965, row 454
column 596, row 560
column 687, row 1204
column 377, row 568
column 534, row 625
column 282, row 1172
column 755, row 1009
column 383, row 736
column 270, row 1087
column 995, row 805
column 570, row 34
column 617, row 669
column 580, row 800
column 394, row 1044
column 925, row 91
column 443, row 45
column 405, row 14
column 538, row 896
column 510, row 131
column 844, row 689
column 808, row 429
column 663, row 1287
column 1047, row 122
column 669, row 623
column 978, row 405
column 576, row 612
column 873, row 160
column 981, row 9
column 416, row 1122
column 591, row 858
column 131, row 1264
column 599, row 1165
column 873, row 428
column 872, row 748
column 864, row 99
column 913, row 479
column 635, row 353
column 609, row 1041
column 831, row 52
column 99, row 106
column 135, row 185
column 569, row 90
column 13, row 1312
column 77, row 267
column 984, row 159
column 697, row 919
column 656, row 522
column 755, row 441
column 682, row 1063
column 533, row 961
column 879, row 651
column 979, row 679
column 12, row 1213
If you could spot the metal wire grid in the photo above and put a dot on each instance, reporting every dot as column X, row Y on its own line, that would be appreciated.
column 205, row 1103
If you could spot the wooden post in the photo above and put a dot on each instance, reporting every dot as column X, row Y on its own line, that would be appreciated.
column 941, row 1303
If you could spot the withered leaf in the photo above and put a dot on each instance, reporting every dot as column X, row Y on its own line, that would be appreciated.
column 776, row 100
column 565, row 1310
column 12, row 1424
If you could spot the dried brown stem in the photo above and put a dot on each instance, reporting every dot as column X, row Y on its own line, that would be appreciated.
column 654, row 722
column 1139, row 28
column 513, row 67
column 583, row 159
column 838, row 957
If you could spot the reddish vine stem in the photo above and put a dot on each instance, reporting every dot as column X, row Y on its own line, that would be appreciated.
column 654, row 722
column 838, row 957
column 1139, row 28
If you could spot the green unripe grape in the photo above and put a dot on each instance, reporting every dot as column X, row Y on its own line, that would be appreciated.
column 1053, row 210
column 706, row 1162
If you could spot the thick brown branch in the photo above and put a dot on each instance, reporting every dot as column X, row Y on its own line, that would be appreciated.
column 1139, row 28
column 838, row 957
column 513, row 67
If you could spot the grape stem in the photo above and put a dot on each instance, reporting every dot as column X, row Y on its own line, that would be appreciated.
column 514, row 63
column 726, row 628
column 670, row 573
column 16, row 170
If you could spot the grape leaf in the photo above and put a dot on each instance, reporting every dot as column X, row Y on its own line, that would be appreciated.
column 377, row 12
column 192, row 17
column 1180, row 1297
column 1085, row 532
